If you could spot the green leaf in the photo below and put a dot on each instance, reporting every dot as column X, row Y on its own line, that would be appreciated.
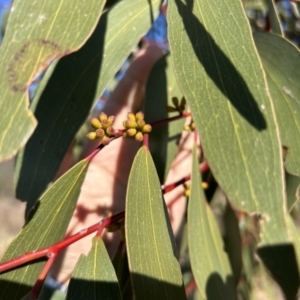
column 274, row 19
column 219, row 72
column 66, row 98
column 36, row 33
column 94, row 276
column 210, row 264
column 164, row 139
column 155, row 271
column 281, row 62
column 47, row 224
column 292, row 190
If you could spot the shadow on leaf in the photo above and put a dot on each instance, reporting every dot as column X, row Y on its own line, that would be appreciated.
column 219, row 67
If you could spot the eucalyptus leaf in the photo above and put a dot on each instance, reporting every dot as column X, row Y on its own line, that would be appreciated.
column 66, row 97
column 164, row 139
column 210, row 264
column 219, row 72
column 155, row 271
column 94, row 276
column 281, row 62
column 36, row 33
column 47, row 224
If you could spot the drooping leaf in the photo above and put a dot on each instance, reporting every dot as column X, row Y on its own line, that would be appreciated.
column 36, row 33
column 94, row 276
column 155, row 271
column 210, row 264
column 66, row 98
column 220, row 74
column 274, row 19
column 292, row 190
column 46, row 225
column 164, row 139
column 281, row 62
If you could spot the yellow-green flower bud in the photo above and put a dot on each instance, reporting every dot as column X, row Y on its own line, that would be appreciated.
column 100, row 132
column 139, row 137
column 105, row 140
column 140, row 124
column 105, row 123
column 111, row 120
column 91, row 135
column 102, row 116
column 147, row 128
column 131, row 132
column 130, row 124
column 175, row 101
column 96, row 123
column 139, row 116
column 193, row 126
column 131, row 116
column 110, row 130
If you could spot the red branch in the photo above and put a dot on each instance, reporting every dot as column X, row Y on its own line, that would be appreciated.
column 52, row 251
column 56, row 248
column 168, row 188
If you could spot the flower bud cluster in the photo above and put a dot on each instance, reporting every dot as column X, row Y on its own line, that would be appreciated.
column 178, row 107
column 135, row 126
column 103, row 128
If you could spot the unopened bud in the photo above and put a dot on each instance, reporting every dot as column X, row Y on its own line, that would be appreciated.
column 105, row 140
column 91, row 135
column 110, row 131
column 193, row 126
column 105, row 123
column 139, row 116
column 102, row 116
column 100, row 132
column 139, row 137
column 130, row 124
column 96, row 123
column 131, row 116
column 131, row 132
column 147, row 128
column 204, row 185
column 111, row 120
column 140, row 124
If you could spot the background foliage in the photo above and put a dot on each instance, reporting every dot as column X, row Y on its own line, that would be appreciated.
column 240, row 78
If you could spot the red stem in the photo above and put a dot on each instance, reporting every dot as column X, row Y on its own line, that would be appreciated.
column 168, row 188
column 56, row 248
column 146, row 140
column 38, row 284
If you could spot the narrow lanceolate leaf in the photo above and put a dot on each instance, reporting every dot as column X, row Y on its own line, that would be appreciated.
column 94, row 276
column 274, row 18
column 155, row 271
column 47, row 225
column 220, row 74
column 36, row 32
column 66, row 98
column 292, row 190
column 281, row 62
column 210, row 264
column 164, row 139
